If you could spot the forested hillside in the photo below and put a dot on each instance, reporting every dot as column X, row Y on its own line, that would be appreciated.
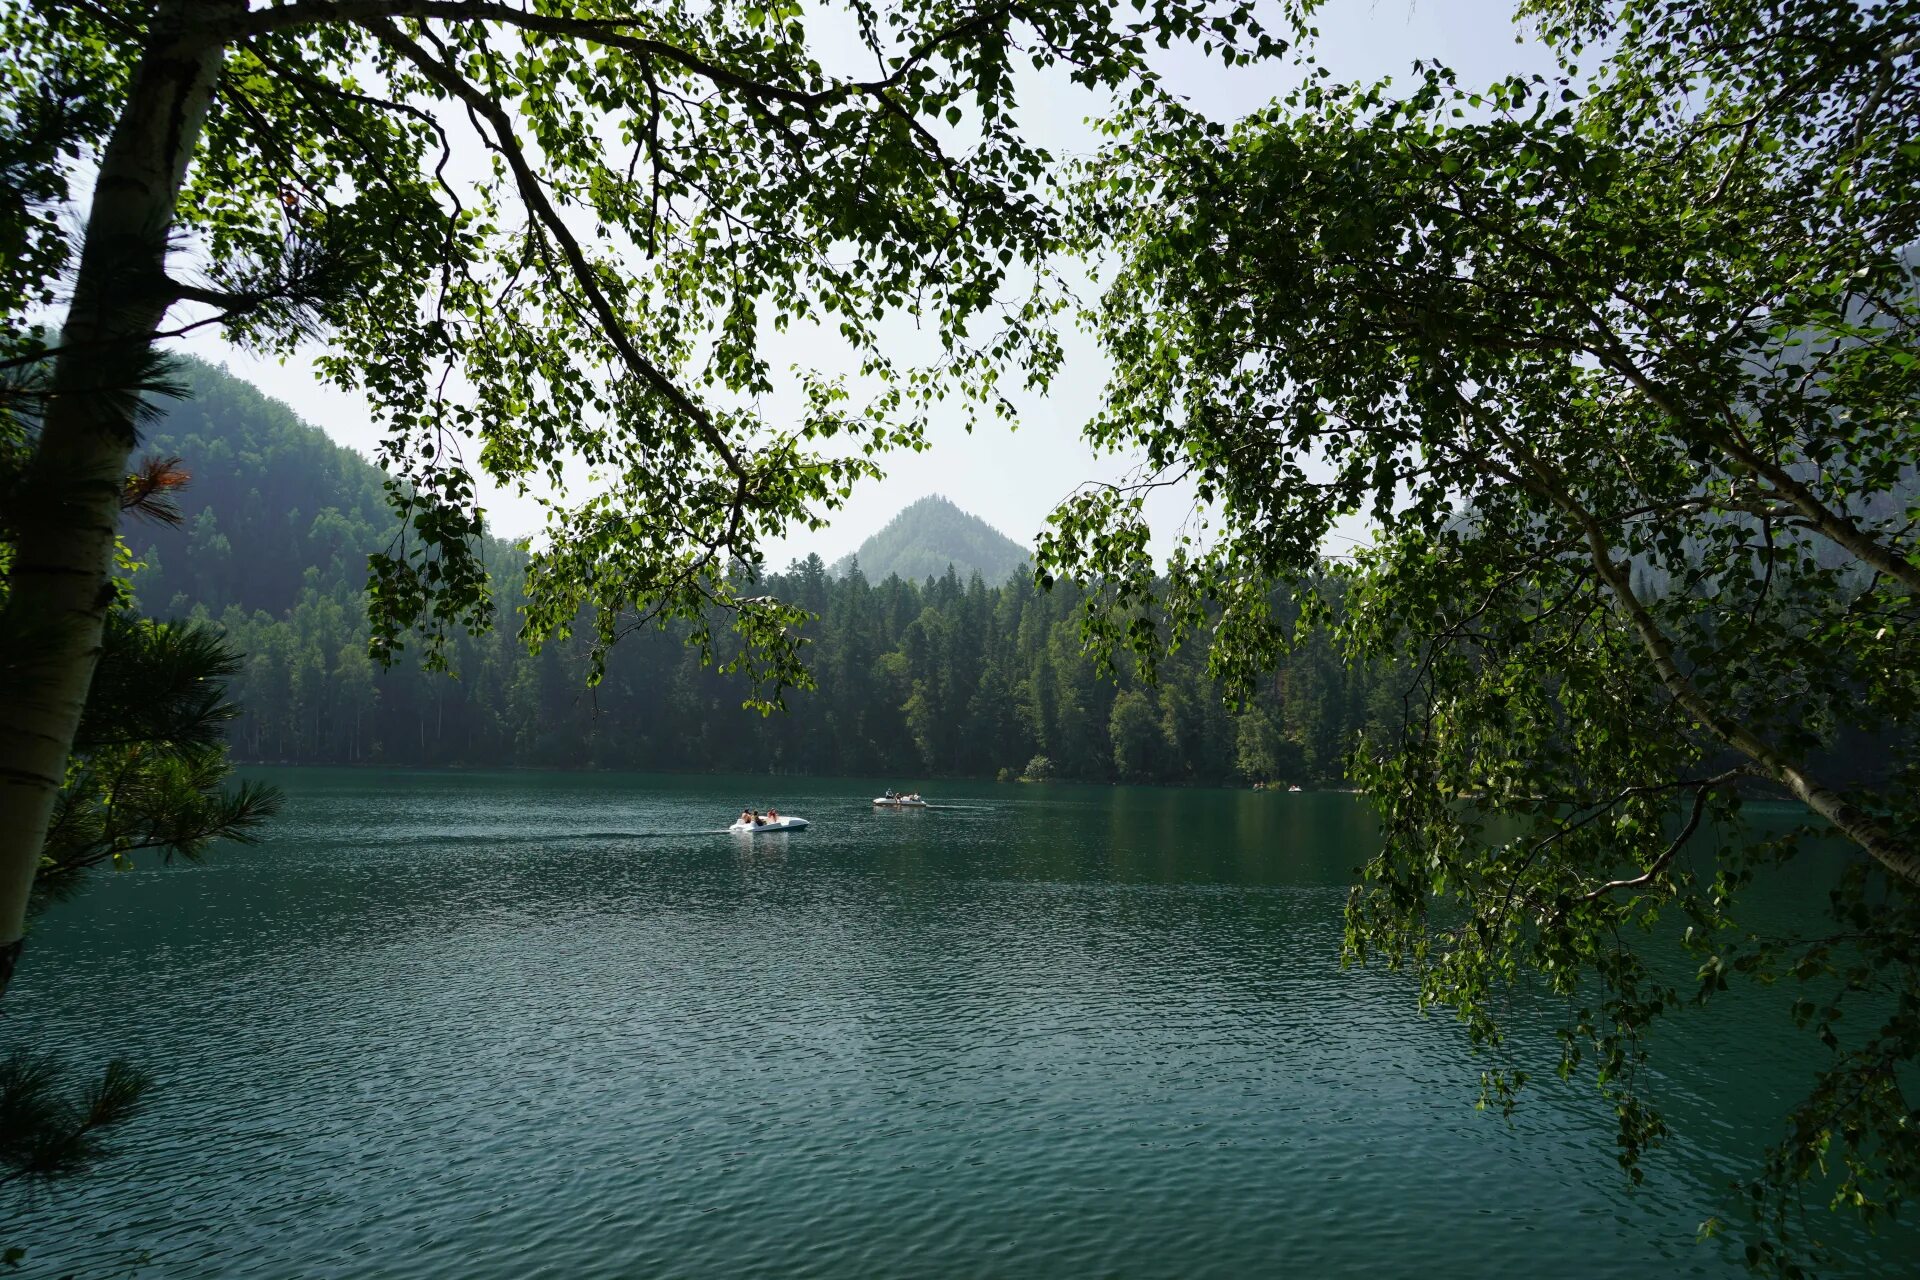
column 936, row 676
column 932, row 535
column 274, row 507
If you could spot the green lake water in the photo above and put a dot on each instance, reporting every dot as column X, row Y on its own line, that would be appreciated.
column 513, row 1025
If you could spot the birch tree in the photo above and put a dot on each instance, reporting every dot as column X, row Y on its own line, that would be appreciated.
column 1622, row 365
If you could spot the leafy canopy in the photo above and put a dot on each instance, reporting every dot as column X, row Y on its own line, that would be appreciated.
column 555, row 238
column 1622, row 364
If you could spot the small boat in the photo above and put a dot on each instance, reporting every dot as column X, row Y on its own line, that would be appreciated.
column 900, row 802
column 777, row 824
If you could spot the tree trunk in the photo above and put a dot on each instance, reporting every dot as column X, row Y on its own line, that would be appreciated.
column 60, row 583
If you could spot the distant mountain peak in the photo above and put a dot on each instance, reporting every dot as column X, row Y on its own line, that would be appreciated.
column 932, row 534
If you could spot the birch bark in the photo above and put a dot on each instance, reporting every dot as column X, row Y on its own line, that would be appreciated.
column 59, row 582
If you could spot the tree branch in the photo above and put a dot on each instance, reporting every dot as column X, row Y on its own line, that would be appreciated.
column 610, row 31
column 1852, row 821
column 541, row 207
column 1701, row 789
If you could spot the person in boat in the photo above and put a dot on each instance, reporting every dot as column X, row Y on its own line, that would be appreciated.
column 773, row 815
column 746, row 815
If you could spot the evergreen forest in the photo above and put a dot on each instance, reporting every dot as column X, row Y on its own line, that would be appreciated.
column 929, row 676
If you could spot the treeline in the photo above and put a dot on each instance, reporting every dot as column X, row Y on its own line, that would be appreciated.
column 936, row 677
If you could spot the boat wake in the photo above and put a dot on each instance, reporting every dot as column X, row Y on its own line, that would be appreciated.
column 519, row 839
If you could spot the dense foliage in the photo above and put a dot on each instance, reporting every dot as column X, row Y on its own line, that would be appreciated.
column 936, row 676
column 1624, row 365
column 931, row 534
column 149, row 771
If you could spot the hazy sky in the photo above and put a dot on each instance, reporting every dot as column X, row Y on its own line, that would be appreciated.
column 1013, row 478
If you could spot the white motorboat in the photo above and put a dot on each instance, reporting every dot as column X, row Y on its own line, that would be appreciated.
column 900, row 802
column 777, row 824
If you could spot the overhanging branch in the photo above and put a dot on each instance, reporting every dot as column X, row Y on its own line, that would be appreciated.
column 1853, row 822
column 611, row 31
column 504, row 142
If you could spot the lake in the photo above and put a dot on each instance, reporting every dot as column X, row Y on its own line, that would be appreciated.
column 511, row 1025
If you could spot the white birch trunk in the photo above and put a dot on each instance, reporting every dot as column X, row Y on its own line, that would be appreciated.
column 59, row 586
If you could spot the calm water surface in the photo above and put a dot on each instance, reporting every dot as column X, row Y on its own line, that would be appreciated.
column 509, row 1025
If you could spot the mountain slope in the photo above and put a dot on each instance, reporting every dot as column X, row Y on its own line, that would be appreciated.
column 932, row 534
column 271, row 501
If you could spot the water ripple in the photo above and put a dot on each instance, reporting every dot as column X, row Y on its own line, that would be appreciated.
column 544, row 1025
